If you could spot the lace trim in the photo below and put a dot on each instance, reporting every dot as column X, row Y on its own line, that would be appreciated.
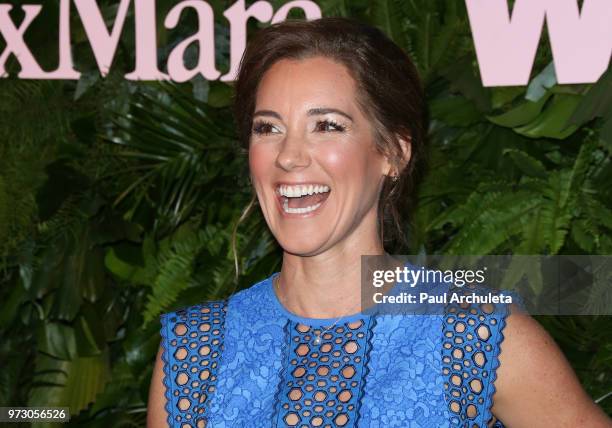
column 488, row 414
column 282, row 375
column 366, row 364
column 192, row 339
column 166, row 375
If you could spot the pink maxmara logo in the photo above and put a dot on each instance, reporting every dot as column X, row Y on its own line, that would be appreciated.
column 506, row 44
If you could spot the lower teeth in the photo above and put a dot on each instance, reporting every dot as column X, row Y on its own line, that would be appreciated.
column 299, row 210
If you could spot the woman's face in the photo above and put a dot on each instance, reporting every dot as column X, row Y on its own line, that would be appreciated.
column 312, row 158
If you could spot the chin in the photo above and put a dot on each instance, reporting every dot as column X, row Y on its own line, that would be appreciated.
column 301, row 245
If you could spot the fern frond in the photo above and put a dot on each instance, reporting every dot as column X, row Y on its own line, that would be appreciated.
column 556, row 215
column 175, row 267
column 585, row 234
column 596, row 211
column 498, row 220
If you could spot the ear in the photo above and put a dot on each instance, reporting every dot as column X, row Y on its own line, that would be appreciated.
column 393, row 167
column 406, row 145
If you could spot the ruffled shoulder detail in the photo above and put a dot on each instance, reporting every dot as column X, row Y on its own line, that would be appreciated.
column 192, row 341
column 472, row 338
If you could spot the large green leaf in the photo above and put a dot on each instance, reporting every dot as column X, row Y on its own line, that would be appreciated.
column 72, row 383
column 597, row 102
column 128, row 270
column 57, row 340
column 553, row 122
column 522, row 114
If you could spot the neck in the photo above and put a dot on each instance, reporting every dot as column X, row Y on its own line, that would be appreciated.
column 326, row 285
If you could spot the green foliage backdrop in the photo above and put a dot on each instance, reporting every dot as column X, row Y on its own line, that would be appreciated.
column 118, row 199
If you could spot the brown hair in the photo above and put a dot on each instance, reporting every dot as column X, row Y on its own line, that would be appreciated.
column 389, row 92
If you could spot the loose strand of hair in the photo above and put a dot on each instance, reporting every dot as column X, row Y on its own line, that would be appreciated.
column 245, row 213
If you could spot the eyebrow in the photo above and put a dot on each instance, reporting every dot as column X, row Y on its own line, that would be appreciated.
column 312, row 112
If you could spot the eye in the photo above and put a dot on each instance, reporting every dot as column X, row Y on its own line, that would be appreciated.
column 262, row 127
column 327, row 123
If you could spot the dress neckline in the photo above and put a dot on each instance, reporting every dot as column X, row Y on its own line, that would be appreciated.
column 306, row 320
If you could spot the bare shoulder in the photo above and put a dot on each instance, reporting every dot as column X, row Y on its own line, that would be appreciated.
column 535, row 385
column 156, row 412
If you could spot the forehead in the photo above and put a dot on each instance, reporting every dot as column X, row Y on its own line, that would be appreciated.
column 316, row 80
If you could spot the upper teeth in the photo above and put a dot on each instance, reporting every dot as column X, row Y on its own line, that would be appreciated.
column 301, row 190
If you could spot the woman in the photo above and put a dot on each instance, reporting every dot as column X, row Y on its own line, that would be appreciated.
column 334, row 119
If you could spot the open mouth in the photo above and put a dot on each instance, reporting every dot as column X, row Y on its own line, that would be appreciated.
column 302, row 198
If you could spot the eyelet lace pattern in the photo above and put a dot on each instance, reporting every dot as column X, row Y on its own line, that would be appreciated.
column 472, row 337
column 323, row 382
column 193, row 344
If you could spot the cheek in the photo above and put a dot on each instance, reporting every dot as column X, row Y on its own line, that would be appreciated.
column 260, row 161
column 351, row 160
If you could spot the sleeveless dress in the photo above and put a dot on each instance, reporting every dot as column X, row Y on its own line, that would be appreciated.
column 246, row 361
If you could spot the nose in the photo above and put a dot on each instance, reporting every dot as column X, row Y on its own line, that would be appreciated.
column 293, row 154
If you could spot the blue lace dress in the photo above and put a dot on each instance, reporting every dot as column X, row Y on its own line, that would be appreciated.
column 248, row 362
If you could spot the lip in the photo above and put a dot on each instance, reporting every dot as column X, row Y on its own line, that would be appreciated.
column 279, row 203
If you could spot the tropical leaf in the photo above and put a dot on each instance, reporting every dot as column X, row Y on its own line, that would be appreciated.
column 526, row 163
column 182, row 148
column 522, row 114
column 385, row 14
column 176, row 264
column 553, row 121
column 69, row 383
column 597, row 102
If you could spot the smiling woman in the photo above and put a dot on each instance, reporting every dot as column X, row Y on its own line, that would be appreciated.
column 334, row 119
column 315, row 134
